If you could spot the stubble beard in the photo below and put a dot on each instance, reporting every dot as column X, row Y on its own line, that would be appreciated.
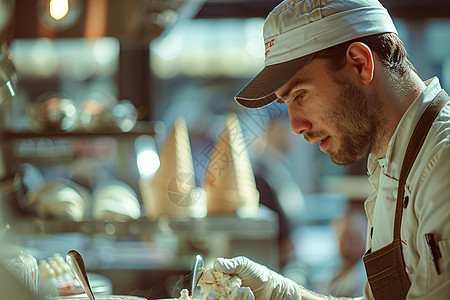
column 358, row 120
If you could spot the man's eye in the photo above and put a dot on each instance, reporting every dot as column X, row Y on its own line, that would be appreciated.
column 300, row 96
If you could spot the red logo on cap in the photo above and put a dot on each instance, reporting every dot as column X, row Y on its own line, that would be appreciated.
column 268, row 45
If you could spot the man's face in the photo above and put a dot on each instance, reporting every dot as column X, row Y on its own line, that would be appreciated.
column 330, row 110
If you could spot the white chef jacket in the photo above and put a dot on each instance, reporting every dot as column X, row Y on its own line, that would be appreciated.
column 428, row 210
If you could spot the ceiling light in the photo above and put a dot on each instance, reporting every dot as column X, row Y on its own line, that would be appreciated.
column 58, row 9
column 59, row 15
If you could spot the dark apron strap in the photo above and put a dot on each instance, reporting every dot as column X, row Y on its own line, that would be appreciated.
column 415, row 144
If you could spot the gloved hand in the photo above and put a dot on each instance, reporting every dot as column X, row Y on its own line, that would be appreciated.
column 264, row 283
column 242, row 293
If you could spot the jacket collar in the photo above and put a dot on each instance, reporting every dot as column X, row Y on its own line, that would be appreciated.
column 392, row 163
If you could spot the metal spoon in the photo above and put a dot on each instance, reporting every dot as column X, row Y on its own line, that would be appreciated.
column 75, row 261
column 197, row 271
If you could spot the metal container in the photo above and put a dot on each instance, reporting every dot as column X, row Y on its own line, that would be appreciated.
column 52, row 112
column 8, row 76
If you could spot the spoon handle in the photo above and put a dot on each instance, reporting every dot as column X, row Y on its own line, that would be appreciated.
column 75, row 261
column 197, row 271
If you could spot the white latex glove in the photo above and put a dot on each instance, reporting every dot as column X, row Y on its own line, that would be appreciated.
column 264, row 283
column 242, row 293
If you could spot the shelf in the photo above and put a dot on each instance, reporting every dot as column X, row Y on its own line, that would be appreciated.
column 142, row 128
column 263, row 226
column 42, row 226
column 52, row 148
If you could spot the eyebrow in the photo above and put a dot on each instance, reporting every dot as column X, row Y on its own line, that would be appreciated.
column 291, row 86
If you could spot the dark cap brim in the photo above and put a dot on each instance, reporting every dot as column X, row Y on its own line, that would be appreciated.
column 260, row 91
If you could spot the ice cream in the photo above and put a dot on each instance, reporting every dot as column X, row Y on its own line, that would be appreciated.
column 217, row 285
column 184, row 295
column 214, row 285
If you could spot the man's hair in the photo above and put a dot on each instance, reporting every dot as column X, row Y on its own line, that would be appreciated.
column 388, row 46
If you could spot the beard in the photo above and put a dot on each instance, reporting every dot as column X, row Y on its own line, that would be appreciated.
column 358, row 122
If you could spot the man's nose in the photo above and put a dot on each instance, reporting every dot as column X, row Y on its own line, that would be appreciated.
column 299, row 125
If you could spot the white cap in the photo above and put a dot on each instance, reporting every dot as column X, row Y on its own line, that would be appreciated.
column 296, row 29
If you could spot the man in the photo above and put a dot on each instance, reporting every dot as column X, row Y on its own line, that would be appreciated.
column 343, row 74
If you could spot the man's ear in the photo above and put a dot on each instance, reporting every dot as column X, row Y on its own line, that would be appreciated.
column 361, row 58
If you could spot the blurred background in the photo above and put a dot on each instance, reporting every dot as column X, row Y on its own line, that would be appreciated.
column 98, row 86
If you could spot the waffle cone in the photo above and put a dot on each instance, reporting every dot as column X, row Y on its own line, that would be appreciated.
column 229, row 181
column 169, row 192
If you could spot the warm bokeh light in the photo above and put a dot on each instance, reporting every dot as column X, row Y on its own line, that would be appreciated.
column 59, row 8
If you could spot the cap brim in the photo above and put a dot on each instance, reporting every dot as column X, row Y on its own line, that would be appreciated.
column 260, row 91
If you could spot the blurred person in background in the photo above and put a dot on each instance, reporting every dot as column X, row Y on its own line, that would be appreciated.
column 343, row 74
column 345, row 275
column 278, row 189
